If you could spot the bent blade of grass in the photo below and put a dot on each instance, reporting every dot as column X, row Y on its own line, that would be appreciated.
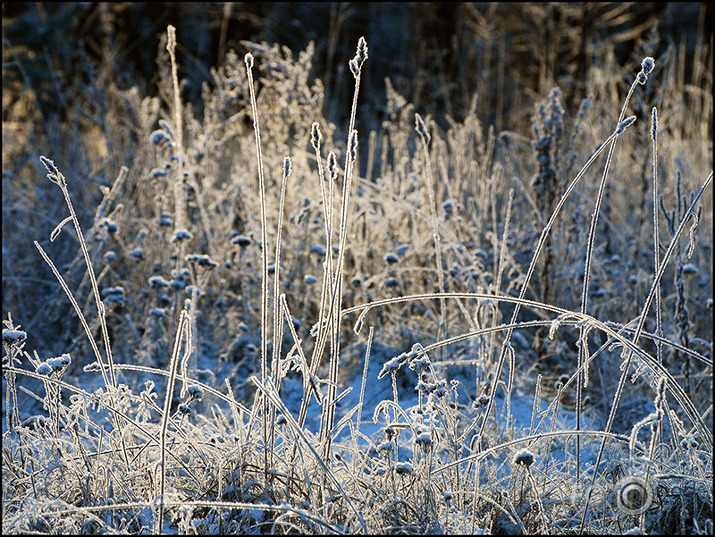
column 706, row 433
column 534, row 259
column 56, row 177
column 590, row 243
column 675, row 388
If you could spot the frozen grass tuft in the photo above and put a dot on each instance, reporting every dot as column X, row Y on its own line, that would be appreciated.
column 555, row 325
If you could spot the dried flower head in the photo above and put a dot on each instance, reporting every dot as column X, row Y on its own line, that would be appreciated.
column 196, row 393
column 12, row 337
column 523, row 458
column 44, row 369
column 201, row 260
column 647, row 65
column 181, row 235
column 403, row 468
column 424, row 438
column 481, row 402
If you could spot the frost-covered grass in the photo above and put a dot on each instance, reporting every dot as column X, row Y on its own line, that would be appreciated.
column 471, row 331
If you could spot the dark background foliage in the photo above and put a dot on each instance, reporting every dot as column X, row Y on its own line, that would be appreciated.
column 58, row 57
column 436, row 54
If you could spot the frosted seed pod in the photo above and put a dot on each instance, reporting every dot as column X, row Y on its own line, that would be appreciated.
column 13, row 336
column 196, row 393
column 354, row 68
column 625, row 124
column 362, row 50
column 523, row 458
column 353, row 145
column 315, row 136
column 403, row 468
column 386, row 447
column 647, row 65
column 44, row 369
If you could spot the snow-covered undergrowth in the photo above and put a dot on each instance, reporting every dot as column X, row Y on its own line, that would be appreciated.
column 453, row 341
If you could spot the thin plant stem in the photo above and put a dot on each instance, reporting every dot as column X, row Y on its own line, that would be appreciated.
column 421, row 129
column 264, row 258
column 277, row 333
column 183, row 330
column 179, row 200
column 583, row 339
column 656, row 231
column 328, row 416
column 56, row 177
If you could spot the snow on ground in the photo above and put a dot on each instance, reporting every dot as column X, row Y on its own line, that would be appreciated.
column 378, row 390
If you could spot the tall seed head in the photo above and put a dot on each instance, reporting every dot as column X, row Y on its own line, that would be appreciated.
column 647, row 66
column 315, row 136
column 654, row 124
column 625, row 124
column 333, row 165
column 360, row 57
column 362, row 50
column 421, row 128
column 171, row 41
column 353, row 145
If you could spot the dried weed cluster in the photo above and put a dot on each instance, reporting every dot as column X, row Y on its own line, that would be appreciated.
column 224, row 281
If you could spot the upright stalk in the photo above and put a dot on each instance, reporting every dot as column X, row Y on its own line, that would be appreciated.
column 328, row 416
column 264, row 260
column 425, row 137
column 647, row 67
